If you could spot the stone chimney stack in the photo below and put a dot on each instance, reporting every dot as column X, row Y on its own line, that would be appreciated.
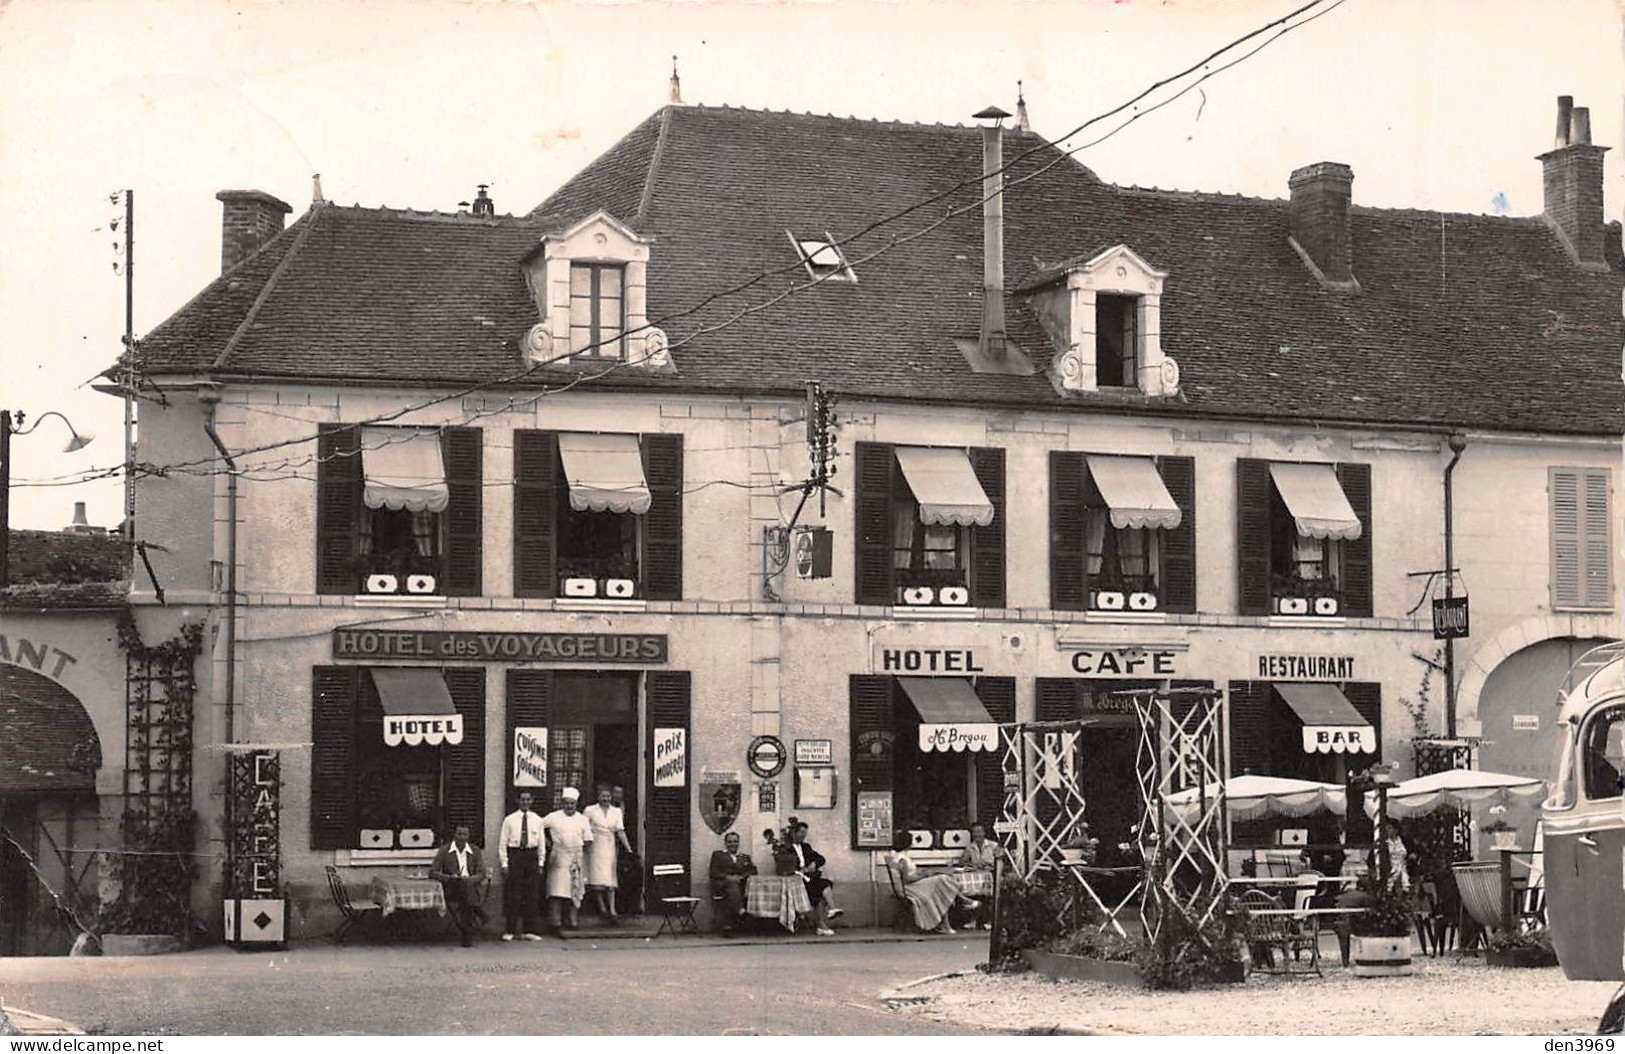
column 1573, row 184
column 251, row 218
column 992, row 342
column 483, row 205
column 1320, row 196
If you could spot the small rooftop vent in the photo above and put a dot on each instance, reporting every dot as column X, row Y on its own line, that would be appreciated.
column 823, row 258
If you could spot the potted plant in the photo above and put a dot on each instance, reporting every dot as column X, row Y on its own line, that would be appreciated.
column 778, row 842
column 1502, row 834
column 1526, row 949
column 1381, row 942
column 1078, row 847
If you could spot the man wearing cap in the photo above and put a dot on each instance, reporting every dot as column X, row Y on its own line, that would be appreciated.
column 520, row 849
column 568, row 832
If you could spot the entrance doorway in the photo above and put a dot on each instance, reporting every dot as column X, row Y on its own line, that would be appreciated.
column 594, row 740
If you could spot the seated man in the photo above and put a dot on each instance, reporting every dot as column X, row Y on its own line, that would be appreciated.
column 729, row 870
column 460, row 868
column 980, row 855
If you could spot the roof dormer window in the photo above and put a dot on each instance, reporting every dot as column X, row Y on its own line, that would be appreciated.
column 823, row 258
column 1105, row 316
column 1117, row 341
column 590, row 283
column 597, row 313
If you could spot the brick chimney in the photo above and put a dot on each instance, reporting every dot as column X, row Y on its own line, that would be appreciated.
column 1573, row 178
column 252, row 218
column 992, row 343
column 1320, row 221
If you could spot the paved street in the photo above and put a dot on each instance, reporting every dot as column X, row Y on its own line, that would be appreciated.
column 699, row 988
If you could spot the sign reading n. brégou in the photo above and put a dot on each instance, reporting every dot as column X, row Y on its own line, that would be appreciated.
column 472, row 646
column 530, row 757
column 671, row 757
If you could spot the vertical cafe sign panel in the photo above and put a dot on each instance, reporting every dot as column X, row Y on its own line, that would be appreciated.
column 256, row 912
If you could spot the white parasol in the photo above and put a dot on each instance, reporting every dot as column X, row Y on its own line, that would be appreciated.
column 1251, row 797
column 1456, row 788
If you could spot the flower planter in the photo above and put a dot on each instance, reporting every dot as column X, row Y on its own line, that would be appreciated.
column 1520, row 958
column 1072, row 855
column 1381, row 956
column 1059, row 967
column 1503, row 839
column 140, row 943
column 580, row 587
column 954, row 596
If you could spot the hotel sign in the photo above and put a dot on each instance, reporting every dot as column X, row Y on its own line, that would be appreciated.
column 1306, row 668
column 470, row 646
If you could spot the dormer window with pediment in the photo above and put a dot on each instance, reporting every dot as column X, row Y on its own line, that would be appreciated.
column 589, row 282
column 1105, row 316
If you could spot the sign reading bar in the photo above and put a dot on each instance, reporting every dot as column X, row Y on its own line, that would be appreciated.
column 530, row 757
column 671, row 757
column 1450, row 618
column 1306, row 667
column 471, row 646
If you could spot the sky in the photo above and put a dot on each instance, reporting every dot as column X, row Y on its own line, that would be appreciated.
column 1438, row 105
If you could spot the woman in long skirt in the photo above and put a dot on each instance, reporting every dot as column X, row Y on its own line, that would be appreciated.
column 931, row 896
column 569, row 834
column 603, row 852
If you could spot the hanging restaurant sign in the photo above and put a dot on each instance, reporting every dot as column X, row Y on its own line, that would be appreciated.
column 1450, row 618
column 472, row 646
column 958, row 737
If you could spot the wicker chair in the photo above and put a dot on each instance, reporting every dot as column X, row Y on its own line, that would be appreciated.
column 356, row 916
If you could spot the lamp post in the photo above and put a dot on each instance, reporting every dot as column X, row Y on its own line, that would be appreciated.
column 12, row 424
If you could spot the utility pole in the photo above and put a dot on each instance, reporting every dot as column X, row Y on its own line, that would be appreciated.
column 5, row 498
column 129, row 379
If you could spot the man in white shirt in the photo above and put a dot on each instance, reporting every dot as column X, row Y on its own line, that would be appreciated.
column 460, row 868
column 520, row 850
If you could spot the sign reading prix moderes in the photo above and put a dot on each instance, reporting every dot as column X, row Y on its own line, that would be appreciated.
column 671, row 757
column 647, row 649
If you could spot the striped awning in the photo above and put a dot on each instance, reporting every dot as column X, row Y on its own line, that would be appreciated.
column 1331, row 724
column 417, row 706
column 605, row 472
column 1134, row 491
column 1316, row 500
column 945, row 486
column 403, row 469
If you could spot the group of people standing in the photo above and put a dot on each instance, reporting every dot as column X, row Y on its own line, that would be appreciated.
column 562, row 856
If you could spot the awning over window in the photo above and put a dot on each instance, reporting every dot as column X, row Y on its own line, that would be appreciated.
column 403, row 469
column 951, row 716
column 605, row 472
column 945, row 485
column 1331, row 725
column 1134, row 490
column 1316, row 500
column 417, row 707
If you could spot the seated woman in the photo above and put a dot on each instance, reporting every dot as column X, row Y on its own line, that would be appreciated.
column 930, row 896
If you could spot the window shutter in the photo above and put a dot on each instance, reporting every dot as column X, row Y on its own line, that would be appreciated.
column 1250, row 728
column 1597, row 585
column 338, row 507
column 998, row 694
column 663, row 523
column 871, row 711
column 529, row 694
column 1179, row 545
column 1367, row 700
column 1253, row 489
column 463, row 764
column 871, row 536
column 1356, row 481
column 1564, row 486
column 332, row 757
column 987, row 543
column 1057, row 699
column 536, row 489
column 1068, row 566
column 465, row 486
column 668, row 811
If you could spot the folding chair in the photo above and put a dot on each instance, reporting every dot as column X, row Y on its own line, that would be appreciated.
column 355, row 915
column 677, row 903
column 903, row 918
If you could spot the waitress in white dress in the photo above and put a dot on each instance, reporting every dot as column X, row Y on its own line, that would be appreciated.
column 568, row 834
column 603, row 853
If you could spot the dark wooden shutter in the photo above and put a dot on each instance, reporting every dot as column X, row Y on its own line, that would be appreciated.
column 530, row 693
column 668, row 809
column 1253, row 490
column 465, row 483
column 1250, row 728
column 998, row 694
column 1179, row 544
column 871, row 711
column 1563, row 486
column 463, row 764
column 1057, row 699
column 332, row 757
column 871, row 535
column 663, row 523
column 1367, row 699
column 1068, row 564
column 536, row 491
column 338, row 507
column 1356, row 481
column 987, row 543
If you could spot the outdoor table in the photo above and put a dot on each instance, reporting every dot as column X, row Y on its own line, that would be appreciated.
column 781, row 897
column 1271, row 880
column 1305, row 913
column 407, row 894
column 975, row 883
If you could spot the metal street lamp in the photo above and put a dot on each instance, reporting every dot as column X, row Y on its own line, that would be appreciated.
column 8, row 428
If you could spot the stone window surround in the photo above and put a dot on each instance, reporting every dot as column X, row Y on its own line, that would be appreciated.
column 599, row 238
column 1118, row 271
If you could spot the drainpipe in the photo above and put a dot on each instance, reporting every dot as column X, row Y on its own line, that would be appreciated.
column 1457, row 443
column 210, row 398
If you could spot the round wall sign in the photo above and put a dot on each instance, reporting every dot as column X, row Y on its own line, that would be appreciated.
column 766, row 756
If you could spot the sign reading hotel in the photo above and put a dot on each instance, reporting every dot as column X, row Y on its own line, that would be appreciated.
column 926, row 661
column 671, row 757
column 472, row 646
column 1306, row 667
column 417, row 729
column 530, row 757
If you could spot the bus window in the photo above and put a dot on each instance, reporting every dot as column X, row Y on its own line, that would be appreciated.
column 1563, row 793
column 1603, row 752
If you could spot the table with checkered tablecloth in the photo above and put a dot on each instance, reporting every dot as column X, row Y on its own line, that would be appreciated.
column 408, row 894
column 781, row 897
column 975, row 883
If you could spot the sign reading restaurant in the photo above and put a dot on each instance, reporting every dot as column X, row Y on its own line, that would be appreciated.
column 1306, row 667
column 469, row 646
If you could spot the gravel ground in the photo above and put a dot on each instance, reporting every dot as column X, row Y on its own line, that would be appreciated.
column 1444, row 997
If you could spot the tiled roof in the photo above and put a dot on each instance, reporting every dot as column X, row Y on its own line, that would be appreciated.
column 54, row 570
column 1461, row 320
column 47, row 741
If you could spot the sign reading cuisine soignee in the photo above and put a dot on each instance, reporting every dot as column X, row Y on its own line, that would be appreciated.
column 472, row 646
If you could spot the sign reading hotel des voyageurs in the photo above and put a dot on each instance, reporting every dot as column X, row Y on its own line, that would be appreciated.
column 645, row 649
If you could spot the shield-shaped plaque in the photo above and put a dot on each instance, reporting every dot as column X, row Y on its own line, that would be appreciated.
column 719, row 801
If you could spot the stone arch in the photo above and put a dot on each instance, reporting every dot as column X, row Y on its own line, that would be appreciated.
column 48, row 743
column 1514, row 638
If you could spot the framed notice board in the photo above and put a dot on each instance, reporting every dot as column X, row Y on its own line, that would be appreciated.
column 874, row 819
